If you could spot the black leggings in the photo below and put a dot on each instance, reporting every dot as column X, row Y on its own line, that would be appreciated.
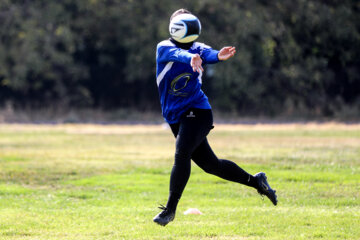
column 191, row 143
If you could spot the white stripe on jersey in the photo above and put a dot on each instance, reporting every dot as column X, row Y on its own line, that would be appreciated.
column 200, row 77
column 163, row 72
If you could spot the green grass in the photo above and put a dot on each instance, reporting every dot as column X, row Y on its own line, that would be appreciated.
column 105, row 182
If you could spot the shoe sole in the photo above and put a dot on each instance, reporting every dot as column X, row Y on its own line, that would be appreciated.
column 162, row 223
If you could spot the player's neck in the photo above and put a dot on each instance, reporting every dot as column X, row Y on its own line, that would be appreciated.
column 186, row 46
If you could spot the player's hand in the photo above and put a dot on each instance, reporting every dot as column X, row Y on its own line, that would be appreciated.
column 226, row 52
column 196, row 63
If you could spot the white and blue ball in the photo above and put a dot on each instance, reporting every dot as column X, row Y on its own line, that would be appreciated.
column 185, row 28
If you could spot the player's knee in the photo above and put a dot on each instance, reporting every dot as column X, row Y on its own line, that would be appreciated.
column 182, row 155
column 210, row 168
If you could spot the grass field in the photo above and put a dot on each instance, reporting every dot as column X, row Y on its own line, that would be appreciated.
column 105, row 182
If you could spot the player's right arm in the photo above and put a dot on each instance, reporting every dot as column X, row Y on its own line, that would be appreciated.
column 170, row 53
column 173, row 54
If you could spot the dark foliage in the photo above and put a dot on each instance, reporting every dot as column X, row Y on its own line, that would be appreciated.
column 293, row 57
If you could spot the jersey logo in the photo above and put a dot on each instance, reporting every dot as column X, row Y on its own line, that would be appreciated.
column 178, row 84
column 191, row 115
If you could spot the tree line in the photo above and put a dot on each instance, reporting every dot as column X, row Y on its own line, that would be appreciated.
column 293, row 57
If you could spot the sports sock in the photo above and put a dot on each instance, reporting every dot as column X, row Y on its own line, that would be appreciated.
column 231, row 171
column 173, row 201
column 252, row 182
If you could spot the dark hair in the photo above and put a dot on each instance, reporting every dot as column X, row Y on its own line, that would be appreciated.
column 178, row 12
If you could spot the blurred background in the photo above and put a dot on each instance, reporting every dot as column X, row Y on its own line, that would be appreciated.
column 94, row 60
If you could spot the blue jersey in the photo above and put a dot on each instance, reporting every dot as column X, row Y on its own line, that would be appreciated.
column 179, row 86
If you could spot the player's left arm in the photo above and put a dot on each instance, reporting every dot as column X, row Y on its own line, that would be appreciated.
column 210, row 55
column 226, row 52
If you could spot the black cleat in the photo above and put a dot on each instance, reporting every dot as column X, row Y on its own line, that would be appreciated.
column 165, row 216
column 264, row 187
